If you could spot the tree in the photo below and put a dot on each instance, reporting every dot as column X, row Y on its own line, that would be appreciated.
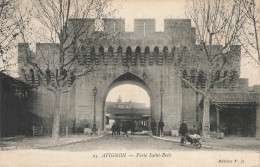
column 250, row 37
column 249, row 40
column 9, row 31
column 70, row 27
column 218, row 25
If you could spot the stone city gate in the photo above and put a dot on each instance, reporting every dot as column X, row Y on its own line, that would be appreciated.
column 143, row 57
column 150, row 77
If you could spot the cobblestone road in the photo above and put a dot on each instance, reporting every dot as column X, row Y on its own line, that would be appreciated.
column 123, row 143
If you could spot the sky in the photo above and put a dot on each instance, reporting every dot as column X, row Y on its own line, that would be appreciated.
column 159, row 10
column 128, row 93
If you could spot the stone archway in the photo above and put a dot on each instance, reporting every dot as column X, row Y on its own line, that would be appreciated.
column 128, row 78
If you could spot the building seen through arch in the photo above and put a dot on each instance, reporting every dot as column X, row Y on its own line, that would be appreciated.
column 127, row 112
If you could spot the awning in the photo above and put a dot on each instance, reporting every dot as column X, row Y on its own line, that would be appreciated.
column 235, row 98
column 129, row 117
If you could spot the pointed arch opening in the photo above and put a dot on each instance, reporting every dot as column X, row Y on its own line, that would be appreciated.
column 101, row 50
column 124, row 104
column 32, row 78
column 156, row 50
column 119, row 49
column 110, row 51
column 165, row 54
column 127, row 55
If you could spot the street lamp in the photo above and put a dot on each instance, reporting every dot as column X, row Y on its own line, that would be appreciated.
column 162, row 91
column 94, row 124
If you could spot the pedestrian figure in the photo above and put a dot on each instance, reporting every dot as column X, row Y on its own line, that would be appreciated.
column 125, row 129
column 200, row 129
column 113, row 129
column 153, row 127
column 160, row 128
column 183, row 131
column 118, row 129
column 133, row 127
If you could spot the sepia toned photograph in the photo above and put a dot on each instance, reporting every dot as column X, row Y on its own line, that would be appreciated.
column 129, row 83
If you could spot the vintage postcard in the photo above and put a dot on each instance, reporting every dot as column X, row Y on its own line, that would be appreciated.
column 130, row 83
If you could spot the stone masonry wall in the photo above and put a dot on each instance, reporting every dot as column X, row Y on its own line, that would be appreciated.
column 145, row 54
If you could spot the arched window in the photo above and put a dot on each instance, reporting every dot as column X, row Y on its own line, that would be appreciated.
column 111, row 56
column 110, row 51
column 102, row 55
column 101, row 51
column 137, row 50
column 119, row 54
column 127, row 55
column 32, row 79
column 156, row 50
column 128, row 52
column 142, row 57
column 165, row 49
column 119, row 49
column 39, row 79
column 147, row 50
column 136, row 56
column 146, row 54
column 156, row 55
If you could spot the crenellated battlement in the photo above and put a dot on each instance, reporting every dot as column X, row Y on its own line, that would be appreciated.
column 144, row 48
column 143, row 28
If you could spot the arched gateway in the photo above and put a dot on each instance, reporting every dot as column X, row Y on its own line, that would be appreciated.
column 128, row 78
column 149, row 78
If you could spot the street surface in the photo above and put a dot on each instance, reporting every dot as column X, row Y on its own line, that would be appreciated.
column 132, row 142
column 132, row 151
